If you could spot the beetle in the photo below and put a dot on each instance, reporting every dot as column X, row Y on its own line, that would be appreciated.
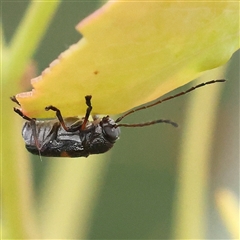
column 79, row 137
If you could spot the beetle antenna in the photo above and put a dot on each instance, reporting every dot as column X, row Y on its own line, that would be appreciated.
column 146, row 123
column 168, row 98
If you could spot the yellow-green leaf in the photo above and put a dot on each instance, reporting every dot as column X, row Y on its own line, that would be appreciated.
column 134, row 52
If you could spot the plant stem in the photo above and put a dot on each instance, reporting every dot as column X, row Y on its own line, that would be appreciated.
column 227, row 205
column 28, row 36
column 194, row 158
column 19, row 215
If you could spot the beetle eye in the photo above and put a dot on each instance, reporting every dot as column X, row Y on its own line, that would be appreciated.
column 112, row 132
column 109, row 130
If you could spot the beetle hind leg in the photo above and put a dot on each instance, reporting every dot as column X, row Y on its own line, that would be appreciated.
column 33, row 124
column 20, row 113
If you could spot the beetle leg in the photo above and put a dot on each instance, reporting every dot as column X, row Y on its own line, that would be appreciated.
column 88, row 111
column 33, row 124
column 60, row 118
column 52, row 134
column 13, row 98
column 19, row 112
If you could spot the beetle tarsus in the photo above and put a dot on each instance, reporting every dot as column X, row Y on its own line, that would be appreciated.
column 13, row 98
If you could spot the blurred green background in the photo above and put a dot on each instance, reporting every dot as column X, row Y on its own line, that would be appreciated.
column 129, row 192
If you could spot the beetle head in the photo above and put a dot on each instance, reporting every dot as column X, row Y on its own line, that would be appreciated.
column 109, row 130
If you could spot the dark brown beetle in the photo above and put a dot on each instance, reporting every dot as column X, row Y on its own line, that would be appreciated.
column 78, row 137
